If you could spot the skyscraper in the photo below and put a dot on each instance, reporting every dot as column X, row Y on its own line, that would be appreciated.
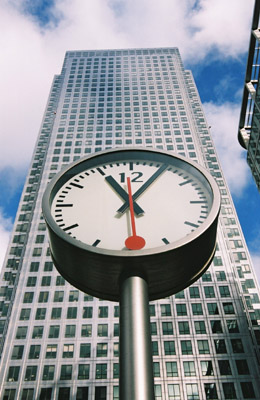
column 59, row 343
column 249, row 132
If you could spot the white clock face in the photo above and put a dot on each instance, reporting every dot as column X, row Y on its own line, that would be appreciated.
column 169, row 202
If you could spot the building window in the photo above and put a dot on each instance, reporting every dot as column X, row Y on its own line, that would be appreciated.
column 220, row 346
column 101, row 393
column 48, row 372
column 228, row 308
column 216, row 326
column 237, row 345
column 210, row 391
column 200, row 327
column 157, row 392
column 242, row 367
column 27, row 394
column 21, row 332
column 197, row 309
column 70, row 331
column 224, row 367
column 224, row 291
column 13, row 374
column 203, row 346
column 166, row 310
column 72, row 312
column 40, row 313
column 192, row 391
column 167, row 328
column 209, row 291
column 101, row 371
column 30, row 373
column 189, row 368
column 116, row 330
column 60, row 281
column 85, row 350
column 212, row 308
column 184, row 328
column 82, row 393
column 48, row 266
column 87, row 312
column 51, row 351
column 83, row 372
column 156, row 369
column 46, row 281
column 229, row 390
column 31, row 281
column 194, row 292
column 54, row 331
column 64, row 393
column 43, row 297
column 66, row 372
column 103, row 312
column 73, row 295
column 171, row 369
column 181, row 309
column 174, row 392
column 247, row 390
column 56, row 313
column 102, row 330
column 186, row 347
column 34, row 352
column 17, row 353
column 9, row 394
column 169, row 347
column 206, row 368
column 45, row 394
column 115, row 370
column 101, row 349
column 155, row 349
column 68, row 350
column 58, row 296
column 86, row 330
column 28, row 297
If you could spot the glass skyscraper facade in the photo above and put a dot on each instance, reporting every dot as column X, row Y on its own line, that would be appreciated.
column 60, row 343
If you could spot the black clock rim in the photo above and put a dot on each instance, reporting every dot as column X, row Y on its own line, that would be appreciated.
column 59, row 179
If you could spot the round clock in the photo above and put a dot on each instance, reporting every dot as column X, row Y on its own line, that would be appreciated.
column 132, row 211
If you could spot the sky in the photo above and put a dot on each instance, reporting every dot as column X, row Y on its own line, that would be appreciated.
column 213, row 39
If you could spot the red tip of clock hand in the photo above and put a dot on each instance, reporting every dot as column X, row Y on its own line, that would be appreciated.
column 133, row 242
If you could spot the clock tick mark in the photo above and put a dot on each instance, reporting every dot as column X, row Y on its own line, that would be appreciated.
column 96, row 243
column 68, row 228
column 100, row 171
column 191, row 224
column 76, row 185
column 64, row 205
column 131, row 166
column 185, row 182
column 165, row 241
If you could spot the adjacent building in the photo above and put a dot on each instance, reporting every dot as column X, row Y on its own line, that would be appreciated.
column 249, row 123
column 60, row 343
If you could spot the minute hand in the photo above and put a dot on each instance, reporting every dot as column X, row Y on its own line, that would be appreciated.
column 124, row 207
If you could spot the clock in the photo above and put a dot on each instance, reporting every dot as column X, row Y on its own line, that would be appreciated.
column 129, row 211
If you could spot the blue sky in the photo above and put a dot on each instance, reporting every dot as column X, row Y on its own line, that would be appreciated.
column 212, row 37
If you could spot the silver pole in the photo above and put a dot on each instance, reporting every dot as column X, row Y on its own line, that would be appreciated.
column 136, row 367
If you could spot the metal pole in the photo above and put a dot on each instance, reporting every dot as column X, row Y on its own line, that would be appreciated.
column 136, row 367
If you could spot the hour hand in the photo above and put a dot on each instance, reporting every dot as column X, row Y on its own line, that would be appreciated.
column 123, row 194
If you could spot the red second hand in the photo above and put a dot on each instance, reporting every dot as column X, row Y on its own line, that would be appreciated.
column 133, row 242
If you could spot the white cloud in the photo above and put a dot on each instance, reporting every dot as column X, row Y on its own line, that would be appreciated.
column 5, row 230
column 223, row 120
